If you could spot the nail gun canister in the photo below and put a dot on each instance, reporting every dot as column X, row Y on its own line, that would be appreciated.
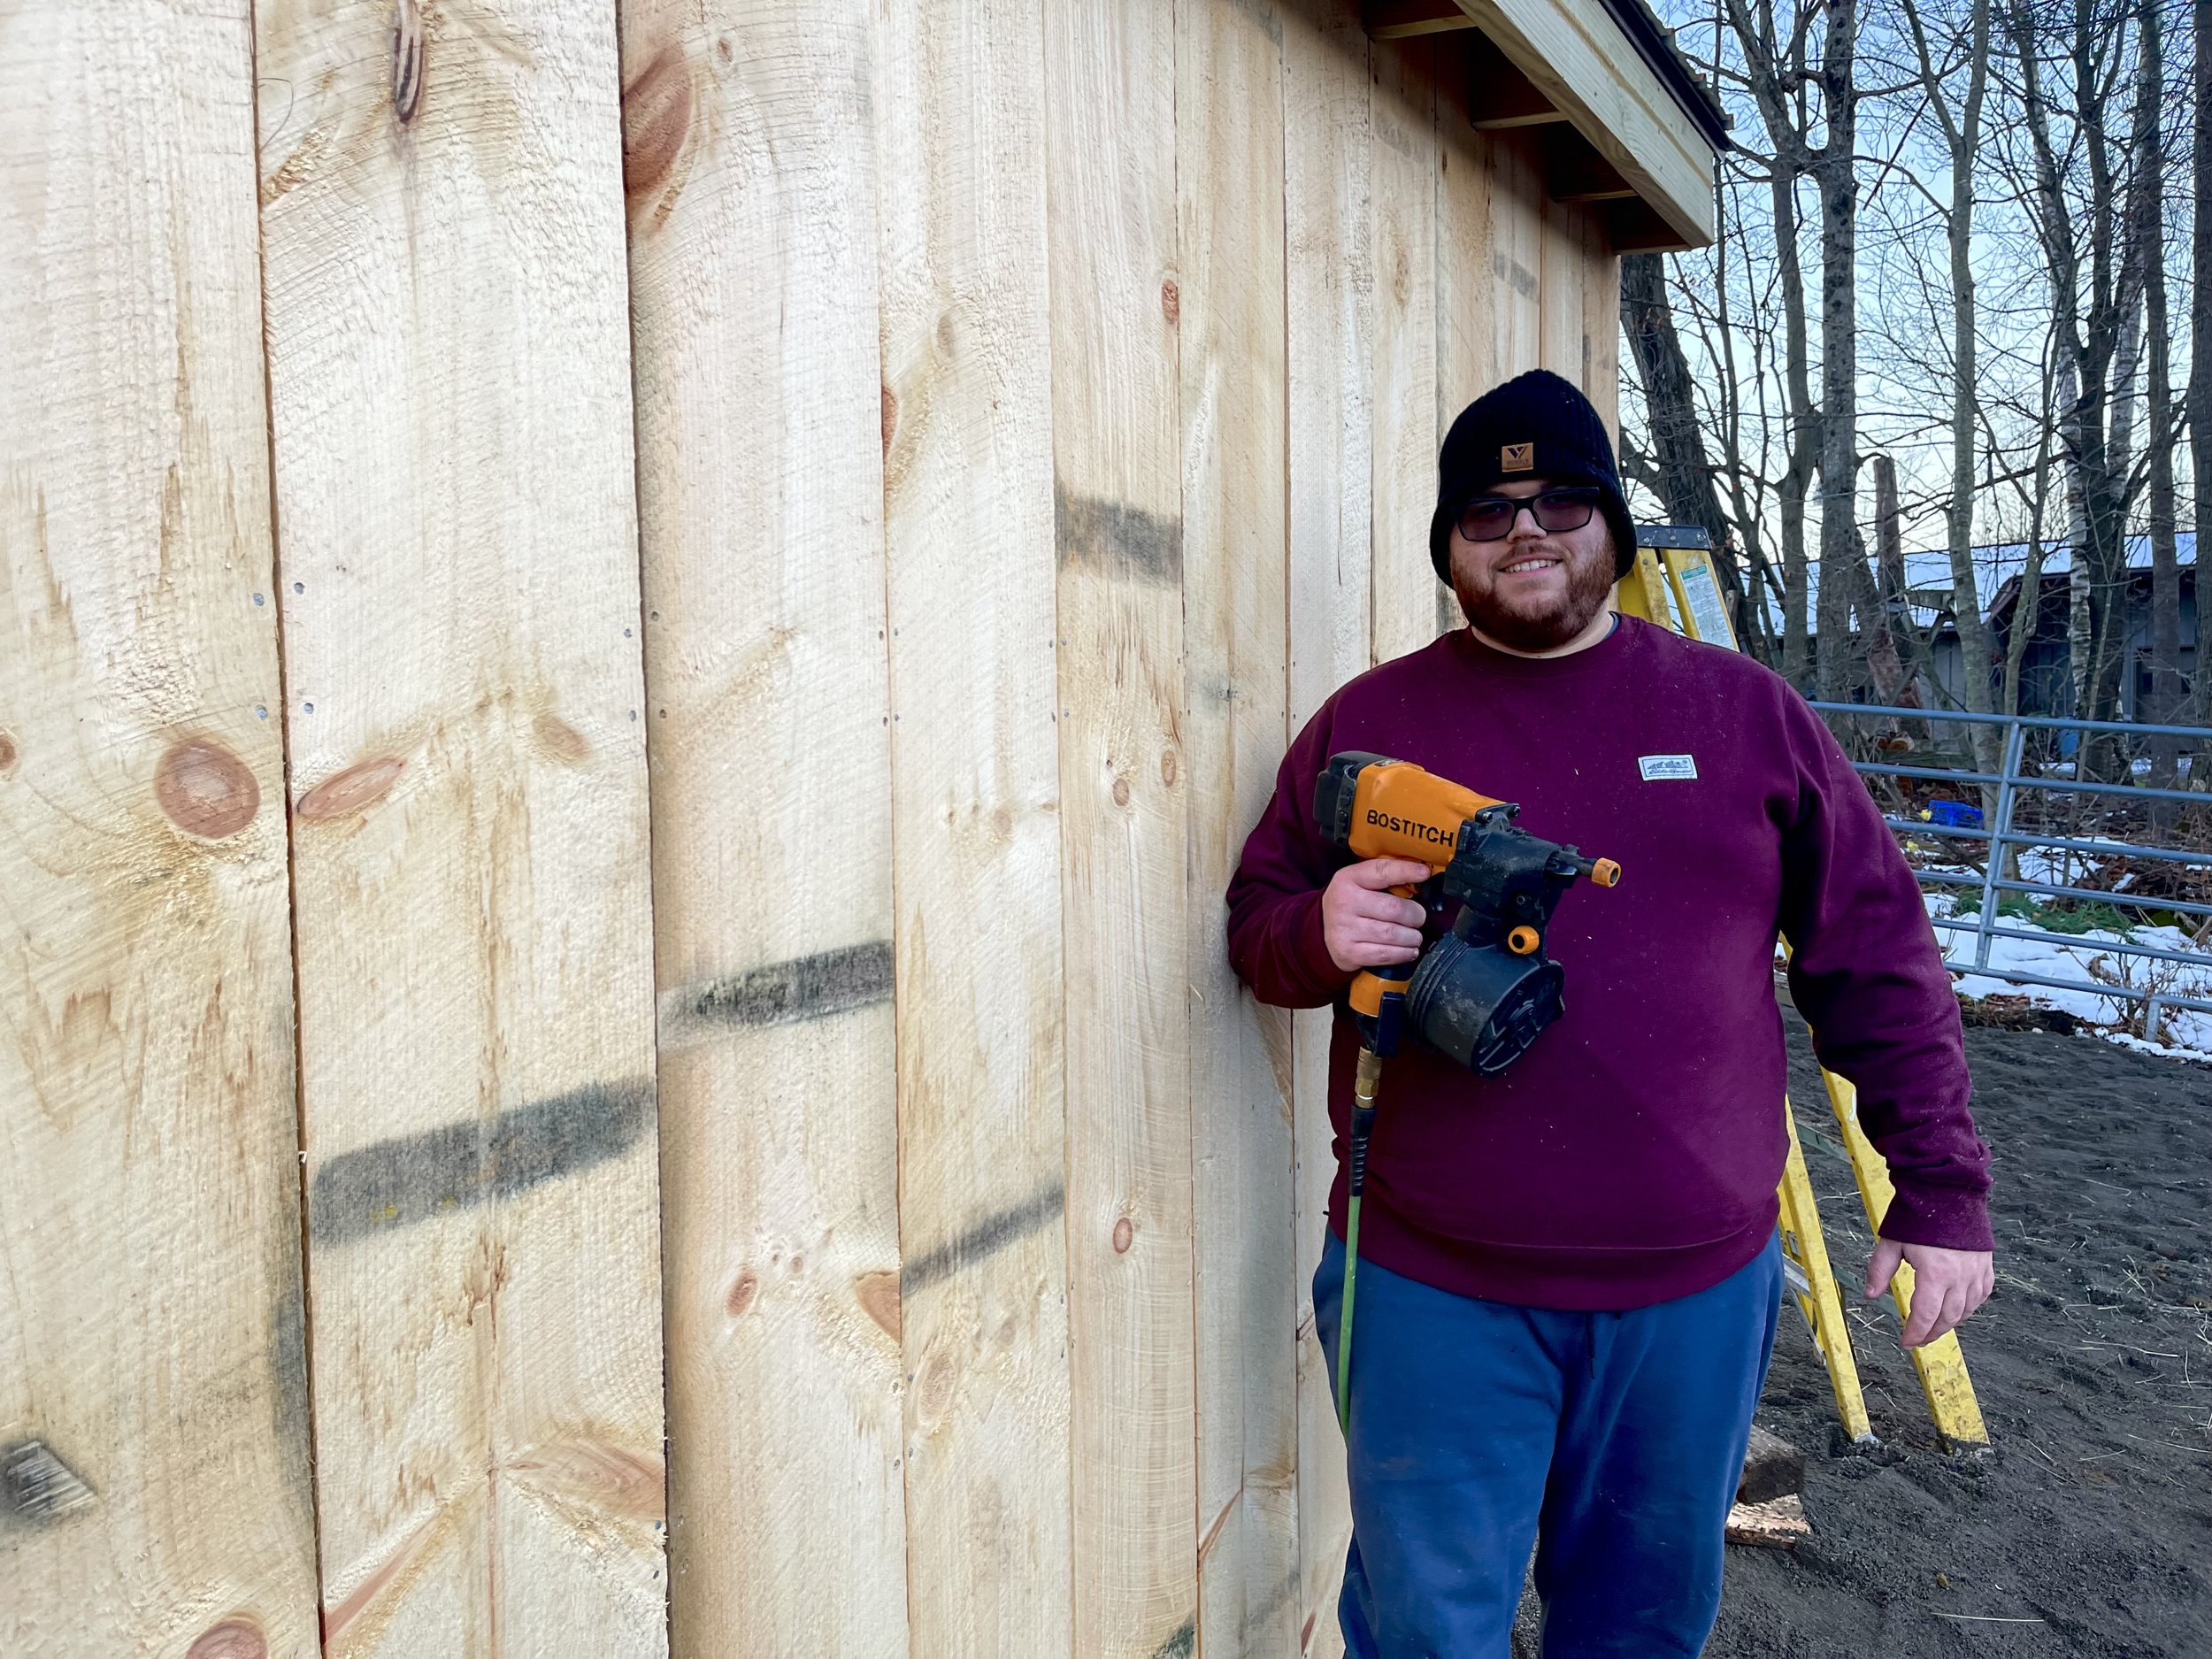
column 1481, row 1006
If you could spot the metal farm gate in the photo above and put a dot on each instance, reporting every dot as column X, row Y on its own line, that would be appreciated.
column 2059, row 841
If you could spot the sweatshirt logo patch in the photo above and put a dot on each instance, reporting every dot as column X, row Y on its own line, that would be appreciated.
column 1655, row 767
column 1517, row 458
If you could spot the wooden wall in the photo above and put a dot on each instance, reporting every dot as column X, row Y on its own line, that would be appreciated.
column 771, row 549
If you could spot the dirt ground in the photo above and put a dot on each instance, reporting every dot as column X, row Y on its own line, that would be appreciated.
column 2086, row 1528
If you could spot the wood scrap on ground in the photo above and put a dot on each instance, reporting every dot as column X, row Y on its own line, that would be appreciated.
column 1768, row 1512
column 1775, row 1524
column 1772, row 1468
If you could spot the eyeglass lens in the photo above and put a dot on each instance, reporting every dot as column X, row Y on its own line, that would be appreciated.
column 1490, row 517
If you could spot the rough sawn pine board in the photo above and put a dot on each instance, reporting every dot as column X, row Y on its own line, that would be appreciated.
column 750, row 172
column 1331, row 311
column 153, row 1422
column 1110, row 146
column 1229, row 168
column 449, row 365
column 1402, row 131
column 966, row 407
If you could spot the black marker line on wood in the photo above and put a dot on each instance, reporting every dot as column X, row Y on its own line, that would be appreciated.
column 408, row 49
column 399, row 1182
column 1109, row 538
column 783, row 993
column 983, row 1241
column 37, row 1487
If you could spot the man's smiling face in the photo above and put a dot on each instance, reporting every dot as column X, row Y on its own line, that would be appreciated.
column 1533, row 589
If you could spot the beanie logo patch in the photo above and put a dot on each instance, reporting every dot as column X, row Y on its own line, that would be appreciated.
column 1517, row 457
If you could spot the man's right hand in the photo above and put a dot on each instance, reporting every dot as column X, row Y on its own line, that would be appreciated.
column 1364, row 924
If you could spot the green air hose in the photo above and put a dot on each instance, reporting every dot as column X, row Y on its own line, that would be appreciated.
column 1363, row 1083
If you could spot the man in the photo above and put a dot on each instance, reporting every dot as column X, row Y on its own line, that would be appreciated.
column 1569, row 1276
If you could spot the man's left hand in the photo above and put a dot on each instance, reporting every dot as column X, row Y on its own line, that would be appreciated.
column 1947, row 1284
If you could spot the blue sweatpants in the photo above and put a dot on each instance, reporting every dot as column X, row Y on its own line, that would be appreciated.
column 1610, row 1442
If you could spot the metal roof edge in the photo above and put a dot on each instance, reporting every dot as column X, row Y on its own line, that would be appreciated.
column 1654, row 43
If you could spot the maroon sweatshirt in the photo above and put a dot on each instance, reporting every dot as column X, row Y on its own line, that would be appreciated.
column 1631, row 1155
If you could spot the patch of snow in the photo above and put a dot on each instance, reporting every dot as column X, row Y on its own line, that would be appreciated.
column 2165, row 1051
column 2081, row 959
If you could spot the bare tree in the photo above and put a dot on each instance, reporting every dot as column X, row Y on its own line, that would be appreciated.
column 1885, row 613
column 2090, row 304
column 1835, row 171
column 1962, row 133
column 2027, row 608
column 2150, row 247
column 1777, row 73
column 2200, row 367
column 1681, row 475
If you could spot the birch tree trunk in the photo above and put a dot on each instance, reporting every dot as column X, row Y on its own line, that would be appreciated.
column 1836, row 173
column 1804, row 428
column 2200, row 375
column 1963, row 137
column 1778, row 76
column 2150, row 225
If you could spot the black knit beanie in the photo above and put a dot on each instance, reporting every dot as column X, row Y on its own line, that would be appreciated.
column 1535, row 426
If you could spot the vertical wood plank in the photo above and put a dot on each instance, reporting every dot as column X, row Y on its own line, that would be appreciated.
column 1516, row 251
column 1467, row 278
column 153, row 1417
column 1109, row 148
column 1467, row 275
column 1563, row 339
column 751, row 177
column 1229, row 165
column 449, row 381
column 1330, row 314
column 1403, row 130
column 967, row 417
column 1601, row 321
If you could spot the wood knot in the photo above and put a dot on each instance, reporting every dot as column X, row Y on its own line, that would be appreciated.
column 597, row 1474
column 206, row 790
column 1171, row 301
column 1121, row 792
column 1124, row 1235
column 407, row 60
column 933, row 1391
column 890, row 417
column 560, row 740
column 355, row 789
column 1167, row 767
column 878, row 1294
column 743, row 1293
column 655, row 120
column 8, row 752
column 236, row 1637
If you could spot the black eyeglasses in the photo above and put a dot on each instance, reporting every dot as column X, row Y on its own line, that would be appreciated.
column 1491, row 517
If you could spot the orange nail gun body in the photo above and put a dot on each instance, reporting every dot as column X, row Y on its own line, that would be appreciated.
column 1482, row 993
column 1508, row 882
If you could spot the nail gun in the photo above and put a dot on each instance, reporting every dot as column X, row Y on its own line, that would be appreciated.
column 1481, row 992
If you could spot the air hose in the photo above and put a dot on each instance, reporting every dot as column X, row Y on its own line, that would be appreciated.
column 1363, row 1084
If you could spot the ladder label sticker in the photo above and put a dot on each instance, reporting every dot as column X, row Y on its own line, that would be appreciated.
column 1658, row 767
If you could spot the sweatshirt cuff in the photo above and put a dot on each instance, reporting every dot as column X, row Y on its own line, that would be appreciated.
column 1309, row 944
column 1943, row 1217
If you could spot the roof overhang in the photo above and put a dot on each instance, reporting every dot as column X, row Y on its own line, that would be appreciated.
column 1634, row 128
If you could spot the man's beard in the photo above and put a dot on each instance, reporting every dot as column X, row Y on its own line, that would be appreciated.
column 1589, row 584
